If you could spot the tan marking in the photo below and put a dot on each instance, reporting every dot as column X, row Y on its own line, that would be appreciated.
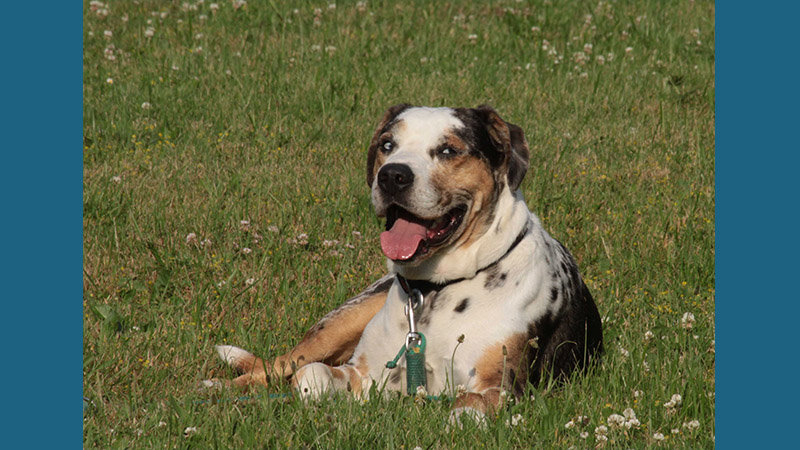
column 454, row 142
column 493, row 369
column 486, row 402
column 473, row 176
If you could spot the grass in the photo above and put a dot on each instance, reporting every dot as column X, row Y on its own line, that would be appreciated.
column 264, row 114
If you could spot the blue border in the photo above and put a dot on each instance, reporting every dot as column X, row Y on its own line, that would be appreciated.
column 42, row 224
column 756, row 250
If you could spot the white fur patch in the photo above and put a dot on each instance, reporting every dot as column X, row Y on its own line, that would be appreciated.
column 232, row 355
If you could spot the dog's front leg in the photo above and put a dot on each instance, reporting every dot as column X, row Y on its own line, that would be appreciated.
column 331, row 341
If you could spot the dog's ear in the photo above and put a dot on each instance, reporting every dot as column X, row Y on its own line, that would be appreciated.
column 509, row 140
column 372, row 154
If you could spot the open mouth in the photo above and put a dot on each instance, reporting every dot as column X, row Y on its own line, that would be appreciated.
column 408, row 236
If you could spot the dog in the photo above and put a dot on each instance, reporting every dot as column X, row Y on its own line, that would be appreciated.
column 502, row 302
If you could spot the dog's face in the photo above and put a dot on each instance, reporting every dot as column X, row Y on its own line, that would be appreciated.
column 436, row 174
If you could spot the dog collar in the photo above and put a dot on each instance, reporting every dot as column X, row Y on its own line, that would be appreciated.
column 425, row 287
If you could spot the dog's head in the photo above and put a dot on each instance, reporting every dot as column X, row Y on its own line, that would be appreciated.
column 436, row 174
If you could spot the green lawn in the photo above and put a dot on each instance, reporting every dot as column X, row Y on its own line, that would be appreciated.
column 198, row 116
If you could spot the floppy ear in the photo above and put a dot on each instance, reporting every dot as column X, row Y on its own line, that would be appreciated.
column 509, row 140
column 372, row 154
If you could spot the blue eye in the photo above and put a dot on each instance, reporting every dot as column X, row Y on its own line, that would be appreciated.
column 387, row 146
column 447, row 151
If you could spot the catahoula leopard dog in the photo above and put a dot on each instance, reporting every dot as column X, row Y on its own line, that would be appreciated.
column 459, row 232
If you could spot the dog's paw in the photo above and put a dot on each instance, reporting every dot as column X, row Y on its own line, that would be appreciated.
column 456, row 415
column 313, row 381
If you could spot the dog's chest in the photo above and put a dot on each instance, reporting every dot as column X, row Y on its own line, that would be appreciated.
column 485, row 310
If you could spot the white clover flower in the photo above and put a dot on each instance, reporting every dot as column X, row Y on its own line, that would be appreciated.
column 504, row 397
column 584, row 434
column 646, row 366
column 601, row 430
column 536, row 29
column 198, row 36
column 361, row 6
column 330, row 49
column 146, row 105
column 116, row 179
column 108, row 34
column 202, row 17
column 198, row 49
column 249, row 281
column 222, row 283
column 658, row 436
column 637, row 393
column 673, row 402
column 191, row 238
column 691, row 425
column 687, row 321
column 648, row 335
column 149, row 32
column 461, row 389
column 316, row 48
column 188, row 431
column 330, row 243
column 615, row 421
column 629, row 413
column 244, row 225
column 205, row 242
column 624, row 352
column 472, row 37
column 161, row 423
column 628, row 50
column 675, row 431
column 272, row 229
column 516, row 419
column 163, row 14
column 239, row 3
column 569, row 425
column 247, row 250
column 587, row 48
column 109, row 80
column 213, row 7
column 332, row 6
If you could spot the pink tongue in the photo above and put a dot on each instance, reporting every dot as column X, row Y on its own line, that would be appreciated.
column 401, row 242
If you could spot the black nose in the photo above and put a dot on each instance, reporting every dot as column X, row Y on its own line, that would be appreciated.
column 395, row 178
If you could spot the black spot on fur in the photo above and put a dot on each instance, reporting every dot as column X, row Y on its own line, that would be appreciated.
column 553, row 294
column 462, row 305
column 395, row 377
column 494, row 278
